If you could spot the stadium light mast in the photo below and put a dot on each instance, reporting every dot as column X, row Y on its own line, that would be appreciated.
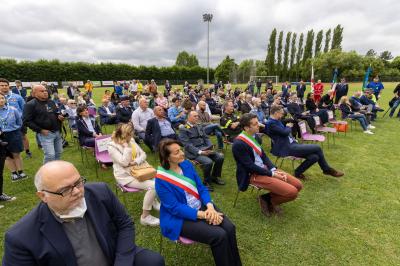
column 207, row 18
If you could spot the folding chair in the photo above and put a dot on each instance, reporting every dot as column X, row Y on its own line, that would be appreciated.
column 306, row 136
column 333, row 121
column 101, row 152
column 126, row 189
column 181, row 241
column 321, row 128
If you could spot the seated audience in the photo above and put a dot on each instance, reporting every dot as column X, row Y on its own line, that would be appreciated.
column 254, row 167
column 257, row 110
column 140, row 117
column 124, row 110
column 312, row 108
column 125, row 153
column 209, row 127
column 285, row 145
column 74, row 224
column 158, row 128
column 345, row 108
column 88, row 129
column 199, row 147
column 326, row 101
column 229, row 122
column 176, row 114
column 187, row 210
column 162, row 101
column 247, row 105
column 70, row 110
column 107, row 113
column 212, row 104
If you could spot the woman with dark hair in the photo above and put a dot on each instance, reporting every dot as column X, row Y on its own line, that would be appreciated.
column 313, row 109
column 88, row 129
column 186, row 207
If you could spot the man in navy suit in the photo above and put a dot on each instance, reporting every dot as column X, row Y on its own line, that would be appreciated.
column 283, row 144
column 254, row 167
column 74, row 224
column 107, row 113
column 158, row 128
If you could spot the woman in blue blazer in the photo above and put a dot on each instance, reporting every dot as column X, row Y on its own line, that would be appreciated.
column 88, row 129
column 186, row 207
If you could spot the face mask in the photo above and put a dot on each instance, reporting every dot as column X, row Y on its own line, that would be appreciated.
column 78, row 212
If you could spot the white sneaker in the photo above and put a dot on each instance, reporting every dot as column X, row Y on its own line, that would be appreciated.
column 370, row 126
column 369, row 132
column 149, row 220
column 156, row 205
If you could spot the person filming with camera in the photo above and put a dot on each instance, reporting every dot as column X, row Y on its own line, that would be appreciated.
column 42, row 116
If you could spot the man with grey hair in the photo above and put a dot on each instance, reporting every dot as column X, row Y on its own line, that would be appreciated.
column 74, row 224
column 140, row 117
column 42, row 116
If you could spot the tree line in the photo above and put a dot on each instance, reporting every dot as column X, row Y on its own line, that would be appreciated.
column 54, row 70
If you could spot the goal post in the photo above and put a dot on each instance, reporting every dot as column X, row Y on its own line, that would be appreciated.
column 264, row 79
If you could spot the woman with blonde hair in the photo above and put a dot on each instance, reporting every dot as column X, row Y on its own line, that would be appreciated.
column 125, row 153
column 345, row 108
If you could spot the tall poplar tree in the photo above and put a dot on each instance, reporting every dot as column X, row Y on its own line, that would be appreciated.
column 308, row 48
column 327, row 40
column 279, row 56
column 270, row 59
column 292, row 54
column 286, row 55
column 337, row 37
column 318, row 42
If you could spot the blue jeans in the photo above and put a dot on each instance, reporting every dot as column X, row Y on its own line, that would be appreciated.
column 215, row 128
column 52, row 146
column 395, row 105
column 362, row 119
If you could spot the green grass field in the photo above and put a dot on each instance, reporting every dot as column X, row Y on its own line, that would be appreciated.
column 353, row 220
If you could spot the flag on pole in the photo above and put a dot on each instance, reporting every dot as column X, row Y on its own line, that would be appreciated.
column 334, row 82
column 312, row 78
column 367, row 73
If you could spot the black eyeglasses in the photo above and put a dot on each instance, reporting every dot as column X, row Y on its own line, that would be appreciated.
column 68, row 190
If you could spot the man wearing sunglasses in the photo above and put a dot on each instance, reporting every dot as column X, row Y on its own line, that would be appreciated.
column 74, row 224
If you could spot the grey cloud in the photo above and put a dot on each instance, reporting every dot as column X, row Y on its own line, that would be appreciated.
column 154, row 32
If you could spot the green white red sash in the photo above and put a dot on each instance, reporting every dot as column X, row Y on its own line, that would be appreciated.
column 178, row 180
column 252, row 142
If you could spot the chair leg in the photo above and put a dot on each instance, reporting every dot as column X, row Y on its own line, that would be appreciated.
column 280, row 166
column 95, row 167
column 293, row 166
column 237, row 195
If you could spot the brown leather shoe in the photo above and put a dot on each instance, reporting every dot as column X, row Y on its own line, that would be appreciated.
column 265, row 209
column 334, row 173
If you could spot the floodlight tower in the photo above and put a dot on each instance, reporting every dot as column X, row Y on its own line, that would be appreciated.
column 207, row 18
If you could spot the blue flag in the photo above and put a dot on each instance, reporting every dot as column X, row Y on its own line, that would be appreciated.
column 335, row 75
column 367, row 73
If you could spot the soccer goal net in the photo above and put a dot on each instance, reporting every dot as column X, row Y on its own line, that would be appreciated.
column 264, row 79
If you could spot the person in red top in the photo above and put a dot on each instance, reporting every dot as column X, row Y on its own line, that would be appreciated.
column 318, row 91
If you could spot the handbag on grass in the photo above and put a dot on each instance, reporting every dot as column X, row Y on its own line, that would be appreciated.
column 143, row 171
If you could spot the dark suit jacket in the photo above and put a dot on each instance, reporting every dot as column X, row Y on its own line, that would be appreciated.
column 124, row 114
column 245, row 166
column 83, row 131
column 279, row 135
column 245, row 108
column 194, row 139
column 153, row 133
column 104, row 117
column 38, row 239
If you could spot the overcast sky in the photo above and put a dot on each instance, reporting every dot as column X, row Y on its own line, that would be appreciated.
column 153, row 32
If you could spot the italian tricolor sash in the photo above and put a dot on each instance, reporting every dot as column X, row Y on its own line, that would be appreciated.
column 252, row 142
column 178, row 180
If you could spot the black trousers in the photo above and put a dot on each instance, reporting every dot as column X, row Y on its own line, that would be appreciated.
column 212, row 165
column 312, row 153
column 145, row 257
column 221, row 238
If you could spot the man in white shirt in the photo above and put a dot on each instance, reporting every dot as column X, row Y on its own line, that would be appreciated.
column 140, row 117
